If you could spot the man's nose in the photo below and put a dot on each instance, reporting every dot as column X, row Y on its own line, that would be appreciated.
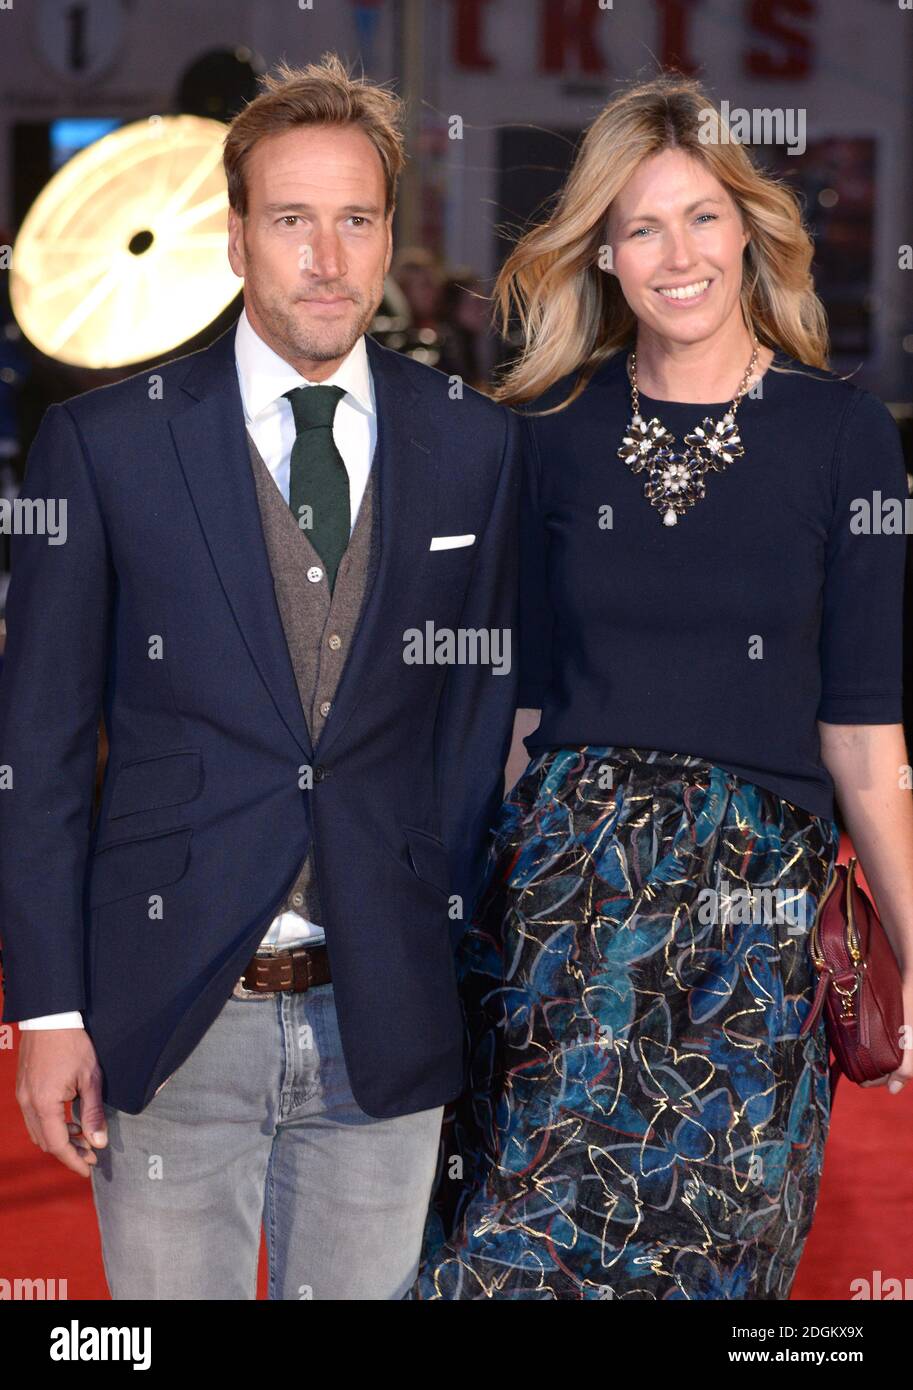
column 327, row 258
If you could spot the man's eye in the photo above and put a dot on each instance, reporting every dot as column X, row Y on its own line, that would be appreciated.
column 361, row 221
column 290, row 217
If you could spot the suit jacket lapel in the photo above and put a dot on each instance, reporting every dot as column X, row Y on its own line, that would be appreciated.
column 401, row 461
column 210, row 438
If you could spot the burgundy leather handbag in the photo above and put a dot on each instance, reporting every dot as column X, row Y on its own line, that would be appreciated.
column 859, row 984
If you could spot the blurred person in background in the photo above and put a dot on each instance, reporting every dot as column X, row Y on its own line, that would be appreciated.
column 420, row 277
column 466, row 341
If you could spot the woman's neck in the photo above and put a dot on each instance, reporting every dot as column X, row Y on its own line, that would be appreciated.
column 703, row 372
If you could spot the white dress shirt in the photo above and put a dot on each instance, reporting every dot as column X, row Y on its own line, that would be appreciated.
column 264, row 377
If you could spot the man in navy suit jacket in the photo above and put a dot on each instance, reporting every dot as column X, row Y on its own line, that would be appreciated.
column 125, row 942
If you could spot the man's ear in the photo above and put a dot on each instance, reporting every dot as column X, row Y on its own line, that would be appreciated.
column 236, row 242
column 388, row 258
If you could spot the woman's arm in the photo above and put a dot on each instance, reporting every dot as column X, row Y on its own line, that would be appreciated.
column 871, row 772
column 525, row 722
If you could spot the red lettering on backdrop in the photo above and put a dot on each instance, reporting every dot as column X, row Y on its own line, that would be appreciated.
column 674, row 18
column 468, row 39
column 796, row 52
column 568, row 36
column 570, row 23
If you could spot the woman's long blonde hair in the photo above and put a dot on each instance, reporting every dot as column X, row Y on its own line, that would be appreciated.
column 573, row 315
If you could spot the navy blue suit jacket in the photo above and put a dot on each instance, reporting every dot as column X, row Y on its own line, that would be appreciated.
column 160, row 608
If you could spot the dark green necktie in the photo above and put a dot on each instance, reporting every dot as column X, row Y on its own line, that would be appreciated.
column 317, row 474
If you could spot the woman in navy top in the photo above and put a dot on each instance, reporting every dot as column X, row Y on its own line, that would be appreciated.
column 710, row 647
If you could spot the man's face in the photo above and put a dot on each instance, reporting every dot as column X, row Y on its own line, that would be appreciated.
column 315, row 245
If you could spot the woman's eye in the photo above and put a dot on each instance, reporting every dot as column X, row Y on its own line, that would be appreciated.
column 711, row 215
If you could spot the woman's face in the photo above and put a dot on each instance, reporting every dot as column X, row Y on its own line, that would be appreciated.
column 677, row 240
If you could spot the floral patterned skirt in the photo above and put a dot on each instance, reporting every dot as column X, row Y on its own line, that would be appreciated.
column 642, row 1119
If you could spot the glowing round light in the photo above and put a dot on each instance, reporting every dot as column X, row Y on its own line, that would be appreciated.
column 123, row 255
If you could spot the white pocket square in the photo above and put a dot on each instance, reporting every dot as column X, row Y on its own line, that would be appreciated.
column 449, row 542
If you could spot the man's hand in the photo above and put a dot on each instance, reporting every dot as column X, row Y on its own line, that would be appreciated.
column 55, row 1065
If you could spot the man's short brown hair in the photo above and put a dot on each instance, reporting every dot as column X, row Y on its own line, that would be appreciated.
column 320, row 94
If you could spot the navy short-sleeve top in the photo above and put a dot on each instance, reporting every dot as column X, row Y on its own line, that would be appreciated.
column 774, row 602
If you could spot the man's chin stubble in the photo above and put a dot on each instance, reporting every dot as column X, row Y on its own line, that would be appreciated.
column 324, row 347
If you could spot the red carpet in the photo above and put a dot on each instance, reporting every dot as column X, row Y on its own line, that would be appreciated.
column 864, row 1221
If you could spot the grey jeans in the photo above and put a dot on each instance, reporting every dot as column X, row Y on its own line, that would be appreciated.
column 260, row 1123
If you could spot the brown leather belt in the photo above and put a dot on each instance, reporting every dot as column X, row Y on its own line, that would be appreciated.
column 294, row 969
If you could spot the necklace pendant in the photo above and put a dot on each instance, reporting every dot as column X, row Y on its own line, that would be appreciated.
column 676, row 477
column 716, row 443
column 642, row 441
column 675, row 483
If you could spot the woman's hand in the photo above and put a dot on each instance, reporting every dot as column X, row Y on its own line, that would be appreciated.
column 895, row 1079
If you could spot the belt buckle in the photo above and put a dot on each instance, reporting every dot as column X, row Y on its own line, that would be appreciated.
column 240, row 990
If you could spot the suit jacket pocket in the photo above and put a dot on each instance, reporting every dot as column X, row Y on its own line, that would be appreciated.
column 428, row 856
column 165, row 779
column 142, row 864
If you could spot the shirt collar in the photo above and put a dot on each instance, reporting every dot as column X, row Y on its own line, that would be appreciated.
column 264, row 376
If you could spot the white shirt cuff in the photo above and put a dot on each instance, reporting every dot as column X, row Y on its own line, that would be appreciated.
column 67, row 1020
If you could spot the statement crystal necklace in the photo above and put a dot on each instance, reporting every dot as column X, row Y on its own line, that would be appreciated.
column 675, row 476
